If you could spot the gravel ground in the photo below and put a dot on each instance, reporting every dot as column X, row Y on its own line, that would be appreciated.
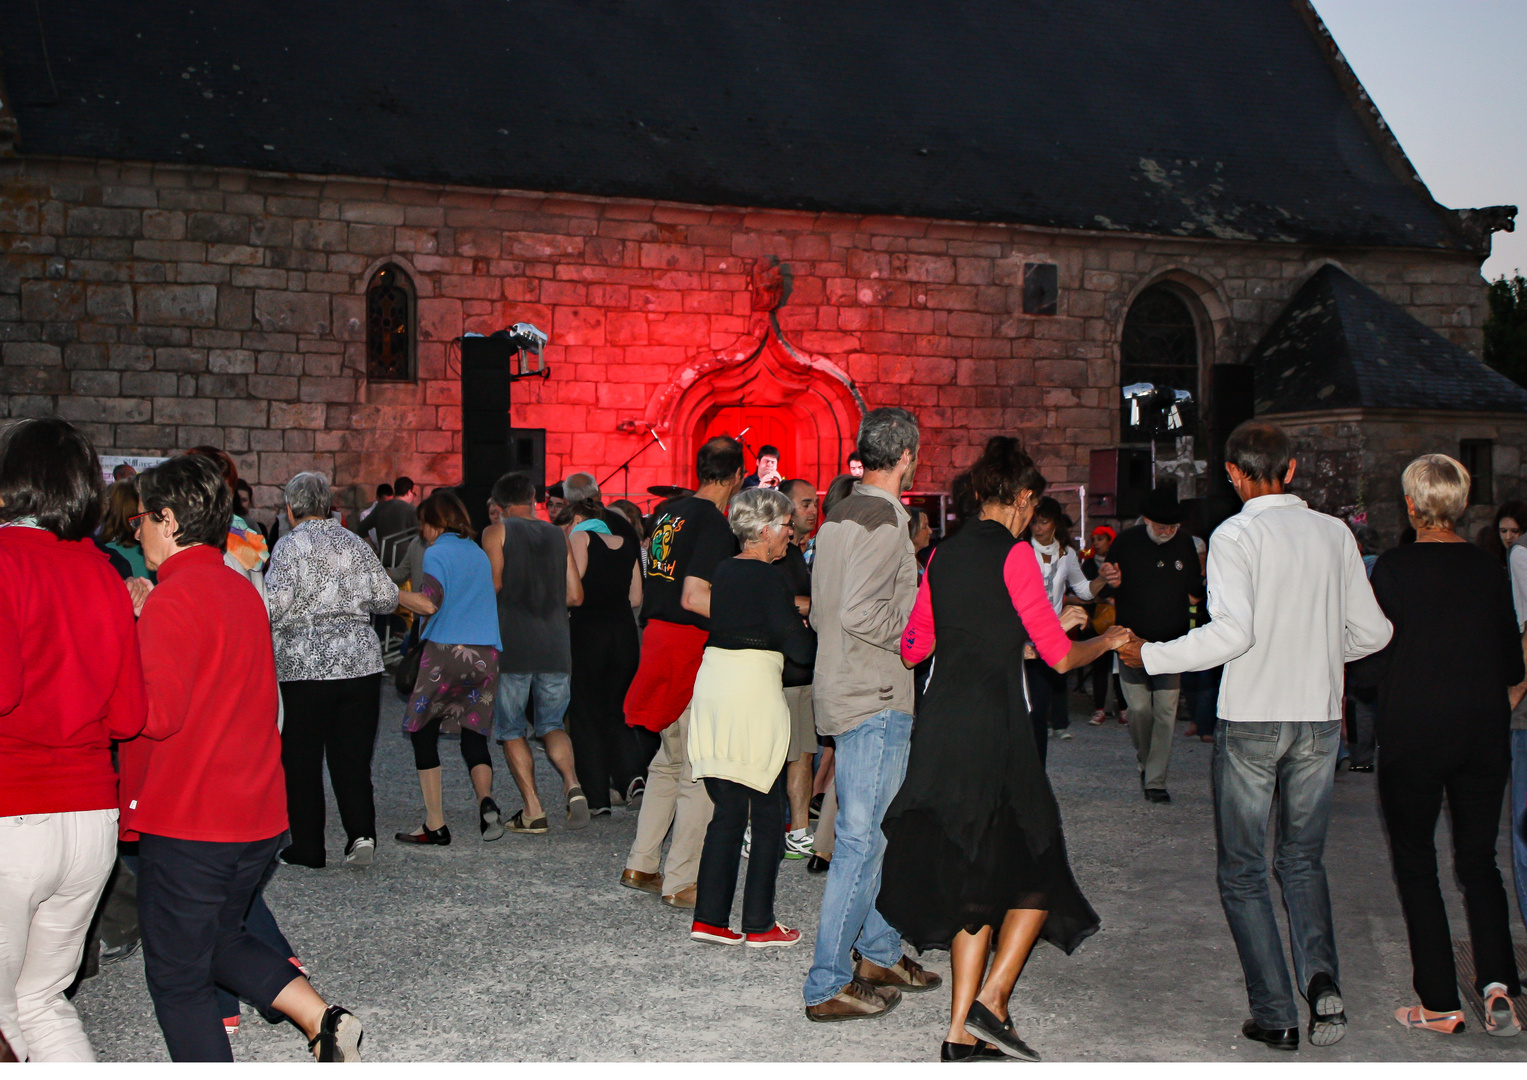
column 527, row 949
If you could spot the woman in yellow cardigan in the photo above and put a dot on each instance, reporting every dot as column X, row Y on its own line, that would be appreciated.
column 739, row 729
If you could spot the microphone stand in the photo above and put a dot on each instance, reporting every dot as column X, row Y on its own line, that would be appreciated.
column 625, row 466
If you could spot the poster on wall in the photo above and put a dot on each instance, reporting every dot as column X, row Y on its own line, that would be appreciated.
column 109, row 463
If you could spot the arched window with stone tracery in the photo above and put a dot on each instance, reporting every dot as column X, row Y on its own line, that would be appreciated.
column 390, row 326
column 1160, row 342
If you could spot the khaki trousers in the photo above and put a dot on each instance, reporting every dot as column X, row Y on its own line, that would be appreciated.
column 52, row 870
column 673, row 798
column 1152, row 701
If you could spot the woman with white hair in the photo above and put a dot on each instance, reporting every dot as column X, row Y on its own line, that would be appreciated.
column 739, row 731
column 1443, row 722
column 323, row 586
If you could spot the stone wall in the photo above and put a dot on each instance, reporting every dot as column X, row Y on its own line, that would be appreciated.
column 1350, row 461
column 161, row 307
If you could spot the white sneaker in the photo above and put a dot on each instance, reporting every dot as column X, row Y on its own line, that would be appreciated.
column 799, row 845
column 1065, row 733
column 361, row 853
column 747, row 842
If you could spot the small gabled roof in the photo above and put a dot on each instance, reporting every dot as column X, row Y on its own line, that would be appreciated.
column 1229, row 119
column 1340, row 345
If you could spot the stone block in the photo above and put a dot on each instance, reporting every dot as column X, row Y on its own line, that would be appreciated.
column 180, row 359
column 284, row 415
column 578, row 326
column 439, row 319
column 320, row 235
column 214, row 228
column 104, row 410
column 235, row 254
column 671, row 257
column 52, row 301
column 177, row 305
column 31, row 353
column 291, row 312
column 104, row 221
column 242, row 413
column 274, row 387
column 369, row 240
column 371, row 213
column 222, row 386
column 96, row 383
column 150, row 383
column 110, row 303
column 680, row 329
column 235, row 308
column 43, row 380
column 341, row 391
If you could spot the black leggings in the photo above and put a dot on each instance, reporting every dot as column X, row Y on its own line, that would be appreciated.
column 474, row 747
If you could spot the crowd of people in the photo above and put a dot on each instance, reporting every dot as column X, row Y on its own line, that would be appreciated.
column 741, row 660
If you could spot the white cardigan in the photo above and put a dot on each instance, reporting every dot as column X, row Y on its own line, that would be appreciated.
column 1291, row 604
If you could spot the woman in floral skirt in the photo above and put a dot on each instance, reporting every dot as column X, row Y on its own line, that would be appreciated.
column 459, row 668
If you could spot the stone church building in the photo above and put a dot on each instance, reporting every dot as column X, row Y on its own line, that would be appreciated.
column 269, row 227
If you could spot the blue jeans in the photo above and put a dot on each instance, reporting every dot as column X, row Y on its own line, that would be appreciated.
column 1252, row 761
column 552, row 690
column 1519, row 818
column 871, row 762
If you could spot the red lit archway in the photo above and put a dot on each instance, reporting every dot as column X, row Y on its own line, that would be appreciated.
column 805, row 405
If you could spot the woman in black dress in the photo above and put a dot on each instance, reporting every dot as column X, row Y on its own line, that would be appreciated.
column 605, row 646
column 975, row 848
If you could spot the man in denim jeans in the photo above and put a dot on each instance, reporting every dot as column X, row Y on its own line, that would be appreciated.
column 864, row 579
column 1290, row 604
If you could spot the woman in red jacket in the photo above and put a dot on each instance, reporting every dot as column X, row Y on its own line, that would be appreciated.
column 202, row 787
column 70, row 683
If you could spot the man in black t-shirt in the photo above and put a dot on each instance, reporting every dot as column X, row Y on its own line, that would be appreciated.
column 690, row 538
column 1154, row 576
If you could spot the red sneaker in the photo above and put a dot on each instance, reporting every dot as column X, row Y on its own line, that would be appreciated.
column 716, row 935
column 231, row 1024
column 779, row 937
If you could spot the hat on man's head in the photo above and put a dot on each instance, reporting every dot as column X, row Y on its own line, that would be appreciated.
column 1162, row 507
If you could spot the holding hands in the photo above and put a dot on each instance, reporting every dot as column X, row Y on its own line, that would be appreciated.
column 1129, row 652
column 1111, row 574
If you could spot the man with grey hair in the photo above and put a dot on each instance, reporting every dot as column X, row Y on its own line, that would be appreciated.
column 863, row 583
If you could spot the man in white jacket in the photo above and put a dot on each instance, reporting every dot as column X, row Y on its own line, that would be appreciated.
column 1290, row 605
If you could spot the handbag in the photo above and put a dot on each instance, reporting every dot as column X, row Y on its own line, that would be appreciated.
column 407, row 671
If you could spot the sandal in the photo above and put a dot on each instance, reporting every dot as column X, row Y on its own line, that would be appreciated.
column 1450, row 1023
column 339, row 1036
column 1500, row 1016
column 518, row 824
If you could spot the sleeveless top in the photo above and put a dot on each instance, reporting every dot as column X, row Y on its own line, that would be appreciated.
column 532, row 601
column 606, row 580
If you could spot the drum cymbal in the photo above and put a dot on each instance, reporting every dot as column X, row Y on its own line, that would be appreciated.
column 668, row 491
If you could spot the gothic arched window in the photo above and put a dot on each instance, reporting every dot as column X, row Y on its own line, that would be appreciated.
column 390, row 326
column 1160, row 342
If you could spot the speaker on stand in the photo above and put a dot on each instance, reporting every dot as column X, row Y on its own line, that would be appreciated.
column 489, row 446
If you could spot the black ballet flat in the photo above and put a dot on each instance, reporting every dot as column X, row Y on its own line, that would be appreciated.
column 818, row 865
column 974, row 1052
column 983, row 1024
column 440, row 836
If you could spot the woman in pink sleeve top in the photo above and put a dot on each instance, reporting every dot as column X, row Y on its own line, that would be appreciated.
column 975, row 846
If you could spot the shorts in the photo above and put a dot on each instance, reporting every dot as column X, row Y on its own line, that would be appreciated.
column 803, row 722
column 552, row 692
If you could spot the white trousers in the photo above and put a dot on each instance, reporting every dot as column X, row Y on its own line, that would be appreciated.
column 52, row 870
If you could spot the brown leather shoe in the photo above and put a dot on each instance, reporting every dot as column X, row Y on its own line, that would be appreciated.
column 906, row 975
column 635, row 879
column 856, row 1001
column 684, row 898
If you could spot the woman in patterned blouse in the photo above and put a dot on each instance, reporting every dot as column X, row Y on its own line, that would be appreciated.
column 323, row 586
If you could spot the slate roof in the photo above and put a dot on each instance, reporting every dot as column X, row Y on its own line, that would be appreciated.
column 1340, row 345
column 1205, row 118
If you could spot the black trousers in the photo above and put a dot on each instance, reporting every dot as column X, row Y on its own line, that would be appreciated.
column 719, row 858
column 606, row 753
column 1047, row 700
column 334, row 719
column 1411, row 785
column 193, row 896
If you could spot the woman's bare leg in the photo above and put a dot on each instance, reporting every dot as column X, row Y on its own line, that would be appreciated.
column 1020, row 929
column 967, row 963
column 429, row 784
column 301, row 1002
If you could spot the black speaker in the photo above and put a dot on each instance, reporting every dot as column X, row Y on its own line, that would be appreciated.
column 1232, row 401
column 489, row 447
column 1119, row 480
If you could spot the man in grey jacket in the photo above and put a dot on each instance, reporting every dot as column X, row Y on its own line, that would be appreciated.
column 1290, row 605
column 863, row 583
